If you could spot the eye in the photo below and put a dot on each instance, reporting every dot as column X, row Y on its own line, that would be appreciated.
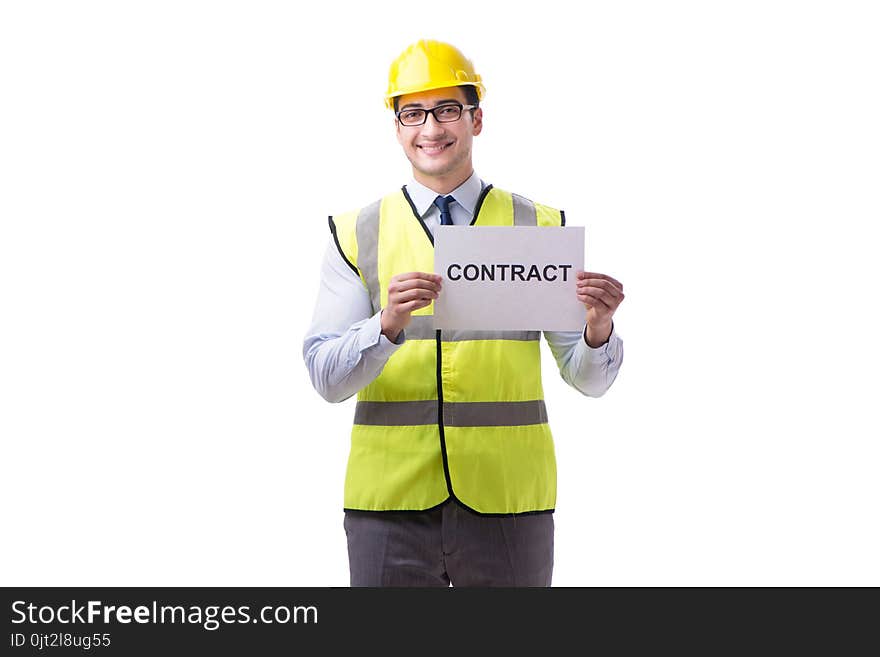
column 447, row 111
column 411, row 115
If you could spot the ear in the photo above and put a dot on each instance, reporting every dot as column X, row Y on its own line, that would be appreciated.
column 478, row 121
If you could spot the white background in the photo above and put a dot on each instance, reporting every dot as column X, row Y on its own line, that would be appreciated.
column 166, row 170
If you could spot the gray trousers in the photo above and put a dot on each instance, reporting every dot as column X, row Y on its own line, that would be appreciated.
column 449, row 544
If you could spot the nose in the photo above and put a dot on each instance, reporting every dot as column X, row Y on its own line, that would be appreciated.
column 432, row 127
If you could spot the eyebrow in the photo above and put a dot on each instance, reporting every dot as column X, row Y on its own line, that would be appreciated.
column 439, row 103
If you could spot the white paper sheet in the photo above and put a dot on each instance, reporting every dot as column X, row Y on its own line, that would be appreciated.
column 509, row 278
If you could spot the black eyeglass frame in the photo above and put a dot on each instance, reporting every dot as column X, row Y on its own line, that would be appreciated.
column 425, row 112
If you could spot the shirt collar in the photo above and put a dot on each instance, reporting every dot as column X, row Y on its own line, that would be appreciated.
column 466, row 195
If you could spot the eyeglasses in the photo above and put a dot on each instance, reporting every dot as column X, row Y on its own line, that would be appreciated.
column 447, row 113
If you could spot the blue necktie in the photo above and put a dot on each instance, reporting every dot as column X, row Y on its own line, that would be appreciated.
column 443, row 202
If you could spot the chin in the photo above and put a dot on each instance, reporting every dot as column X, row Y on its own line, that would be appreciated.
column 436, row 171
column 430, row 170
column 437, row 168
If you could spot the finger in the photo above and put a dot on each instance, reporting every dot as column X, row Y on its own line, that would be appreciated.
column 591, row 301
column 591, row 274
column 412, row 284
column 412, row 275
column 595, row 287
column 600, row 293
column 606, row 285
column 409, row 295
column 595, row 302
column 597, row 293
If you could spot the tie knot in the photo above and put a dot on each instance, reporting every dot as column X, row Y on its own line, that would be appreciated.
column 443, row 202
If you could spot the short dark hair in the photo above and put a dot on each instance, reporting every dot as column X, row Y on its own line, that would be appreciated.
column 470, row 94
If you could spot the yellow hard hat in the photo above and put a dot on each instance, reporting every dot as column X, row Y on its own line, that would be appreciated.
column 427, row 65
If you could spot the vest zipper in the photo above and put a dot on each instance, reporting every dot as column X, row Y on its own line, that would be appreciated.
column 440, row 415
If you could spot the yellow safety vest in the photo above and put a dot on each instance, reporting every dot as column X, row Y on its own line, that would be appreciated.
column 454, row 414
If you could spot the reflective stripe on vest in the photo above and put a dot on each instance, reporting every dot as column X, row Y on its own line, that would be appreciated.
column 453, row 413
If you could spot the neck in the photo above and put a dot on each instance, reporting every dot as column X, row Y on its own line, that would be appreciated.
column 443, row 184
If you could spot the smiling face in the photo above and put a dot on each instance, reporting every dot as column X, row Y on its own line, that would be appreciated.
column 440, row 153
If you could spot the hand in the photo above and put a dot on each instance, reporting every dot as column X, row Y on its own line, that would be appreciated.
column 406, row 293
column 601, row 295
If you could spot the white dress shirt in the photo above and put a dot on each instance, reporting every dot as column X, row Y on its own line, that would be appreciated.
column 344, row 348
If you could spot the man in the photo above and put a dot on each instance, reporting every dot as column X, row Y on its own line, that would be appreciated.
column 451, row 476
